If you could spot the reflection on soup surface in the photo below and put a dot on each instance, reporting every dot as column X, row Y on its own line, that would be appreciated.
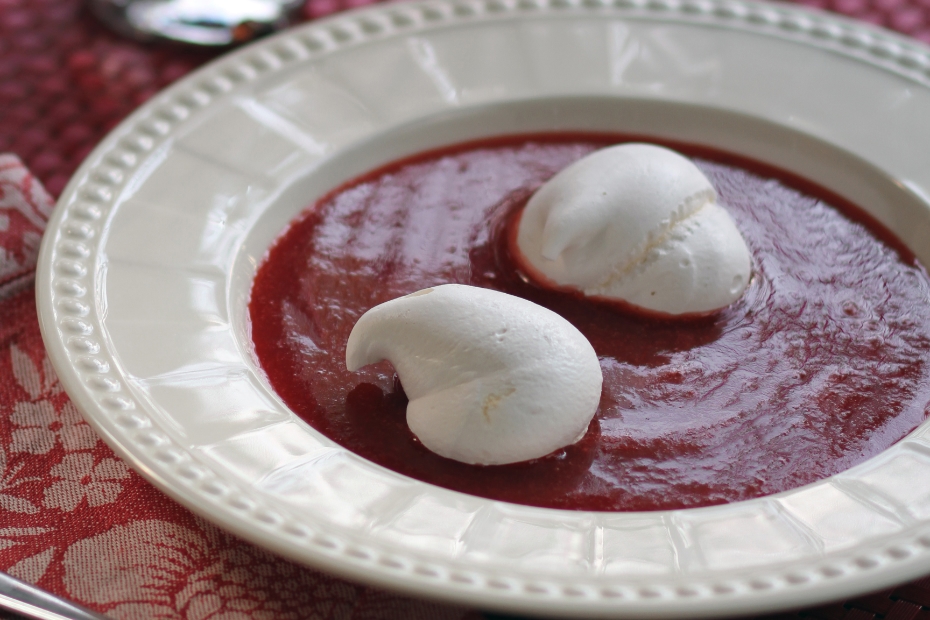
column 821, row 364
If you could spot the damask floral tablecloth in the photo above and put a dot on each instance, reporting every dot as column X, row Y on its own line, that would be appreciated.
column 74, row 519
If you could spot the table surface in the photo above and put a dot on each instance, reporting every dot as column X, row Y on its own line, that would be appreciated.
column 73, row 518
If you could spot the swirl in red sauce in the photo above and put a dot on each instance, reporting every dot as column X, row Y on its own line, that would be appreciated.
column 822, row 363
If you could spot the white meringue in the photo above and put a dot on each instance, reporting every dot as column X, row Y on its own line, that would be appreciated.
column 491, row 378
column 638, row 223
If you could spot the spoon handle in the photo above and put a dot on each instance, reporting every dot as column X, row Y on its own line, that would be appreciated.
column 32, row 602
column 197, row 22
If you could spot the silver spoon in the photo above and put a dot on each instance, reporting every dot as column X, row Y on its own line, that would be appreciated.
column 200, row 22
column 32, row 602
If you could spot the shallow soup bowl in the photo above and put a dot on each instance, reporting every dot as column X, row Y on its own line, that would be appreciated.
column 146, row 269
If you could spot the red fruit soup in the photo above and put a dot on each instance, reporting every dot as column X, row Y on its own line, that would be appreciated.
column 822, row 364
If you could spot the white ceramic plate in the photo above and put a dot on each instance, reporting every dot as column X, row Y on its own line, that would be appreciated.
column 146, row 268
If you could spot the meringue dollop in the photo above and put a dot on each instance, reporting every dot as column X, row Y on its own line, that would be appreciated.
column 491, row 378
column 638, row 223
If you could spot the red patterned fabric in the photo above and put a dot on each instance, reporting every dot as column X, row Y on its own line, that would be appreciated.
column 24, row 207
column 76, row 520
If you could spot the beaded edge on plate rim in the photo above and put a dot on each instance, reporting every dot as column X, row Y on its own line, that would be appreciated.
column 95, row 186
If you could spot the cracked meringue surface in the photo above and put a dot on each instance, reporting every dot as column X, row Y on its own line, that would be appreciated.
column 637, row 223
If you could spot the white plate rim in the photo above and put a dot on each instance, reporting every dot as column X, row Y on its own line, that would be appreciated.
column 70, row 326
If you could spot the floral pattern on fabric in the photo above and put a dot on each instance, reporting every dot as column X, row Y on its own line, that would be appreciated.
column 78, row 478
column 193, row 572
column 38, row 425
column 24, row 208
